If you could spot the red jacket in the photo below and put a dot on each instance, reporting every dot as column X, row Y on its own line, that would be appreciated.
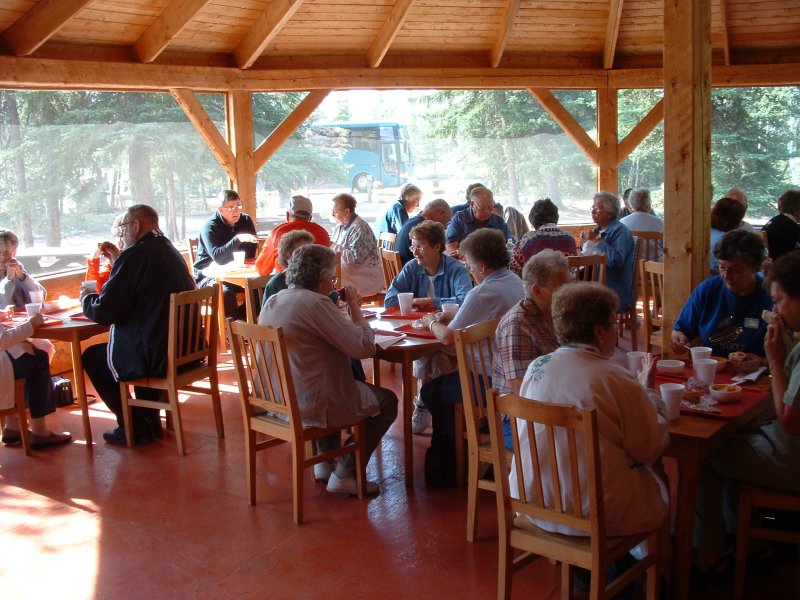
column 267, row 261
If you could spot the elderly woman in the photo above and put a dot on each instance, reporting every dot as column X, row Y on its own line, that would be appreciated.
column 433, row 277
column 20, row 360
column 726, row 215
column 724, row 311
column 319, row 340
column 497, row 291
column 767, row 454
column 398, row 213
column 582, row 373
column 289, row 242
column 353, row 238
column 613, row 239
column 546, row 234
column 642, row 218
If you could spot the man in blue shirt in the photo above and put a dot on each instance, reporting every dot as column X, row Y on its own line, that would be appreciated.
column 435, row 210
column 397, row 215
column 479, row 215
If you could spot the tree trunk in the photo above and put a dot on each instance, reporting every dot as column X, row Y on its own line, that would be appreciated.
column 23, row 208
column 551, row 185
column 53, row 210
column 139, row 163
column 513, row 180
column 169, row 204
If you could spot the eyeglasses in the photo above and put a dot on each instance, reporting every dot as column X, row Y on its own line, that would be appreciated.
column 121, row 227
column 231, row 209
column 416, row 247
column 732, row 270
column 598, row 209
column 334, row 281
column 477, row 206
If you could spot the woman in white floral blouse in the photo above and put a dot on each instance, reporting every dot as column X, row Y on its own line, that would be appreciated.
column 354, row 240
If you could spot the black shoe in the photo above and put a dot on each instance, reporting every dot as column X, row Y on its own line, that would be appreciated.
column 116, row 436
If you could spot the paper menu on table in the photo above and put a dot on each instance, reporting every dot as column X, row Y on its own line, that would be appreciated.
column 384, row 339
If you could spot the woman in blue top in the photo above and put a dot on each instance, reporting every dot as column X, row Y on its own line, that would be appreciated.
column 433, row 277
column 724, row 311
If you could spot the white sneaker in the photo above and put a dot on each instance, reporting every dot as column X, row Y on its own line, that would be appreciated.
column 347, row 485
column 323, row 470
column 421, row 419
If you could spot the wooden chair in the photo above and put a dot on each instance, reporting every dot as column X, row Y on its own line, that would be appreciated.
column 191, row 254
column 651, row 280
column 649, row 247
column 192, row 341
column 387, row 241
column 254, row 296
column 588, row 268
column 269, row 407
column 755, row 497
column 392, row 265
column 594, row 550
column 473, row 345
column 21, row 412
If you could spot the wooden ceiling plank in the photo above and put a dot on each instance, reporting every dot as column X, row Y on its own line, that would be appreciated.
column 41, row 22
column 567, row 122
column 164, row 29
column 287, row 127
column 206, row 128
column 388, row 32
column 723, row 17
column 640, row 131
column 612, row 32
column 499, row 46
column 268, row 26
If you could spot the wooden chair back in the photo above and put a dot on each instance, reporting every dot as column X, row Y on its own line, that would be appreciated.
column 475, row 354
column 254, row 296
column 19, row 410
column 392, row 265
column 649, row 245
column 588, row 268
column 387, row 241
column 192, row 244
column 651, row 285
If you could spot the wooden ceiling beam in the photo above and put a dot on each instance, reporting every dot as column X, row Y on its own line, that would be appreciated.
column 723, row 17
column 164, row 29
column 287, row 127
column 512, row 6
column 567, row 122
column 208, row 130
column 612, row 32
column 268, row 25
column 39, row 24
column 642, row 129
column 388, row 32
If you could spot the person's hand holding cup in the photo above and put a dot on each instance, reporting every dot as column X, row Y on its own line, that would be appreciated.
column 88, row 287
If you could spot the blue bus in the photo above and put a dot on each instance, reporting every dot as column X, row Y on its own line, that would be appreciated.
column 379, row 152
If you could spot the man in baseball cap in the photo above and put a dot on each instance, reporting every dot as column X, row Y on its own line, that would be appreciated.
column 298, row 216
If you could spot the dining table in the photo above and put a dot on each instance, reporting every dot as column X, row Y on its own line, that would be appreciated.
column 413, row 344
column 235, row 275
column 693, row 437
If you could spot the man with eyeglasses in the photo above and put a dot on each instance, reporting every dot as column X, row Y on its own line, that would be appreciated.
column 229, row 230
column 478, row 215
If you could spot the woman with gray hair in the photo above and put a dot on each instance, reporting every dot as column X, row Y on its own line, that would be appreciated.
column 613, row 239
column 354, row 239
column 583, row 374
column 319, row 342
column 546, row 234
column 289, row 242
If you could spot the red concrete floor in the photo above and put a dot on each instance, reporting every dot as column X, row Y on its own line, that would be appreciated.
column 118, row 522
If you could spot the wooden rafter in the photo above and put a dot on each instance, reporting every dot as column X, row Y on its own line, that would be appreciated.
column 287, row 127
column 612, row 32
column 642, row 129
column 512, row 6
column 207, row 129
column 164, row 29
column 380, row 45
column 268, row 26
column 39, row 24
column 723, row 17
column 567, row 122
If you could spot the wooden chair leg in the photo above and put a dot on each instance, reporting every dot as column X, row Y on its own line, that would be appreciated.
column 175, row 409
column 459, row 428
column 566, row 581
column 473, row 467
column 359, row 439
column 22, row 415
column 127, row 413
column 216, row 404
column 250, row 459
column 742, row 541
column 298, row 456
column 505, row 567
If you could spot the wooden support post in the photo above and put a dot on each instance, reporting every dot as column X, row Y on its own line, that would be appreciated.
column 239, row 129
column 607, row 178
column 687, row 150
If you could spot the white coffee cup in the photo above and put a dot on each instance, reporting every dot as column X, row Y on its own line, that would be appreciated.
column 705, row 369
column 406, row 300
column 449, row 310
column 89, row 286
column 671, row 395
column 33, row 308
column 635, row 360
column 36, row 296
column 238, row 258
column 699, row 352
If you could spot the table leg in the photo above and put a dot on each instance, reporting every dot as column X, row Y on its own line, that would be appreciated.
column 223, row 341
column 688, row 473
column 376, row 372
column 80, row 385
column 408, row 408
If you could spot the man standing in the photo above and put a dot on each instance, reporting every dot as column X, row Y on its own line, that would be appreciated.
column 480, row 214
column 135, row 303
column 436, row 210
column 297, row 217
column 227, row 231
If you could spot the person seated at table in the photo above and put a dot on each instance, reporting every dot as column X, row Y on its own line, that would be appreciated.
column 497, row 291
column 783, row 230
column 633, row 436
column 436, row 210
column 737, row 194
column 516, row 222
column 642, row 219
column 613, row 239
column 95, row 271
column 319, row 342
column 545, row 234
column 229, row 230
column 20, row 360
column 726, row 215
column 290, row 242
column 478, row 215
column 406, row 204
column 354, row 240
column 766, row 454
column 724, row 311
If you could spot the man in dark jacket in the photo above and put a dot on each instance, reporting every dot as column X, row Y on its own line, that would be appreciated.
column 135, row 303
column 229, row 230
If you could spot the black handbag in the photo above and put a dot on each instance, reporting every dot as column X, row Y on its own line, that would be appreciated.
column 62, row 391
